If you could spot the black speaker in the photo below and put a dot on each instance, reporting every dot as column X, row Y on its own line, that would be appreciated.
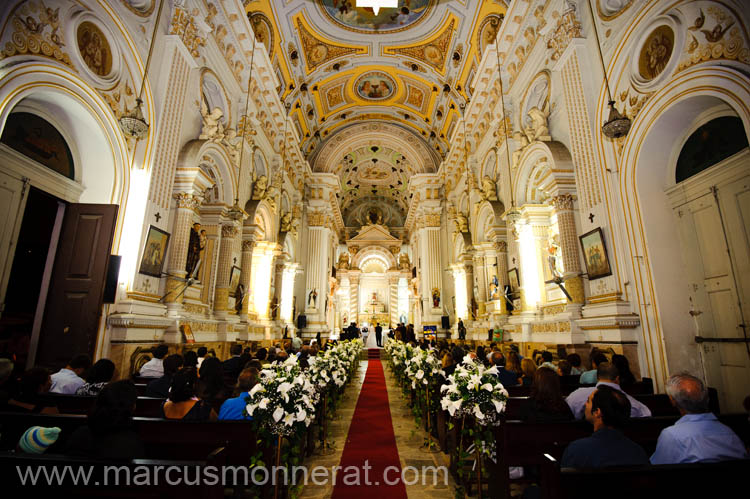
column 301, row 321
column 446, row 322
column 110, row 285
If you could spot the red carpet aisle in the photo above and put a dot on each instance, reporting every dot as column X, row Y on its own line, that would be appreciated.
column 371, row 438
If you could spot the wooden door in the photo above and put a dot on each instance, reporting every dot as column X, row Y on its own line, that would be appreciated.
column 714, row 224
column 74, row 301
column 13, row 190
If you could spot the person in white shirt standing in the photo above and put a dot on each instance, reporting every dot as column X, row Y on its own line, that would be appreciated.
column 154, row 368
column 202, row 352
column 68, row 379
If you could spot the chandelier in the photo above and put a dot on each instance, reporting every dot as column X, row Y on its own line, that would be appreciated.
column 132, row 123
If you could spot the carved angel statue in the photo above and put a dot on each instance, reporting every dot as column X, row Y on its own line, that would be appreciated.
column 489, row 189
column 403, row 262
column 539, row 129
column 233, row 145
column 213, row 128
column 286, row 222
column 462, row 222
column 259, row 188
column 343, row 260
column 273, row 192
column 521, row 142
column 295, row 226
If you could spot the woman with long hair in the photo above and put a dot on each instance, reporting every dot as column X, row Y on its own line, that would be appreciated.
column 183, row 402
column 545, row 402
column 528, row 368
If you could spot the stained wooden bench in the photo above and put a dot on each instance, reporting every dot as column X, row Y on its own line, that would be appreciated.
column 673, row 480
column 77, row 404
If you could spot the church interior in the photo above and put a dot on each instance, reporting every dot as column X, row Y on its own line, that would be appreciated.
column 562, row 176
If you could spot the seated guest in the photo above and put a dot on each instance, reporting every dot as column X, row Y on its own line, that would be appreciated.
column 261, row 355
column 232, row 409
column 159, row 388
column 507, row 378
column 109, row 433
column 575, row 363
column 154, row 368
column 211, row 385
column 190, row 359
column 589, row 377
column 697, row 436
column 514, row 348
column 458, row 356
column 528, row 368
column 256, row 363
column 545, row 402
column 182, row 403
column 33, row 384
column 564, row 368
column 547, row 361
column 627, row 379
column 68, row 379
column 608, row 410
column 99, row 375
column 202, row 352
column 607, row 375
column 232, row 366
column 513, row 363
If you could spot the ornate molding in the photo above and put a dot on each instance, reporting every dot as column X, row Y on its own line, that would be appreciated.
column 188, row 201
column 138, row 322
column 567, row 28
column 229, row 230
column 183, row 25
column 37, row 32
column 563, row 202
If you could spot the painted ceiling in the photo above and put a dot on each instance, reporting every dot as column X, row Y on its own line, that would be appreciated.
column 408, row 68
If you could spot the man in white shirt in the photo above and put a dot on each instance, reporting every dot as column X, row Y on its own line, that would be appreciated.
column 68, row 379
column 607, row 375
column 154, row 368
column 202, row 352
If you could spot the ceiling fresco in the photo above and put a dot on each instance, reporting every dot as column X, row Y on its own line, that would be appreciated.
column 364, row 19
column 341, row 67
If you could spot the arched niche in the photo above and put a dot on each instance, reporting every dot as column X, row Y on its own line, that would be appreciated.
column 198, row 155
column 545, row 170
column 371, row 251
column 646, row 169
column 264, row 219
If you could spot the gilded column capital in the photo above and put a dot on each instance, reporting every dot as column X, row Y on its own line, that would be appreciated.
column 229, row 230
column 502, row 246
column 248, row 245
column 185, row 200
column 563, row 202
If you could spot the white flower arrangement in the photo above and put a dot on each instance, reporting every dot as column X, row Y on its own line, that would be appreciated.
column 334, row 365
column 284, row 399
column 422, row 368
column 474, row 390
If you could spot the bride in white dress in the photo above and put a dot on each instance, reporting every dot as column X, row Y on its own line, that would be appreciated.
column 371, row 340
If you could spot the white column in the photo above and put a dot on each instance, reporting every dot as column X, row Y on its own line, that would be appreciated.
column 353, row 297
column 393, row 300
column 432, row 278
column 316, row 282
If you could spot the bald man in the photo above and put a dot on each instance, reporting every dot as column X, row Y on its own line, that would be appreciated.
column 697, row 436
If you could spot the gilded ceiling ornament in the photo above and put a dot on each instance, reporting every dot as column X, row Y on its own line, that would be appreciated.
column 94, row 48
column 263, row 30
column 488, row 31
column 567, row 28
column 656, row 52
column 318, row 52
column 611, row 9
column 184, row 26
column 433, row 53
column 37, row 32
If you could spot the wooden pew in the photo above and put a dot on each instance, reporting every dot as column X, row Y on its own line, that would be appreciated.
column 523, row 444
column 673, row 480
column 104, row 481
column 77, row 404
column 163, row 438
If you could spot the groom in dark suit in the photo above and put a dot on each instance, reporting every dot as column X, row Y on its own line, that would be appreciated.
column 379, row 335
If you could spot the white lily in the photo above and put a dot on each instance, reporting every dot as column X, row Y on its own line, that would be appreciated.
column 499, row 406
column 278, row 414
column 263, row 404
column 284, row 389
column 289, row 419
column 487, row 386
column 478, row 412
column 257, row 388
column 250, row 408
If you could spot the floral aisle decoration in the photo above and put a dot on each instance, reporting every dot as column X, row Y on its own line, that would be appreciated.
column 283, row 400
column 474, row 390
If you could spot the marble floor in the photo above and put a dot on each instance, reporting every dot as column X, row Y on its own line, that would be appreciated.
column 409, row 440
